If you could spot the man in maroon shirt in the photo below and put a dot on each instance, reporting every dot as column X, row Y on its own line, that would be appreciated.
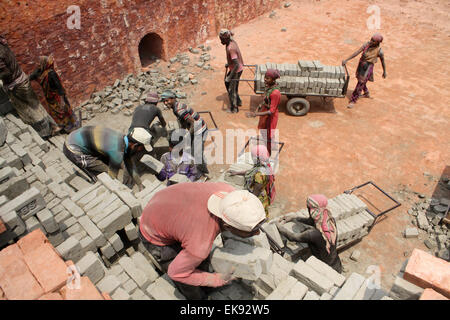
column 235, row 66
column 179, row 224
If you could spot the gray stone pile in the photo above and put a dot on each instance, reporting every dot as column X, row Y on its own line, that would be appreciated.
column 427, row 214
column 127, row 93
column 305, row 77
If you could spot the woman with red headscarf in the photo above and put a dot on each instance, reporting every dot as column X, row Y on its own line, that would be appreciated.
column 269, row 108
column 370, row 52
column 260, row 179
column 322, row 238
column 55, row 95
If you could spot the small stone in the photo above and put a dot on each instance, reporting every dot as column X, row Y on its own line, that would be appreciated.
column 204, row 93
column 421, row 196
column 194, row 81
column 173, row 60
column 411, row 233
column 283, row 29
column 272, row 14
column 287, row 4
column 430, row 244
column 440, row 208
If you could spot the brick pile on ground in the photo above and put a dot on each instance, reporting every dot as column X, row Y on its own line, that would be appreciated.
column 427, row 214
column 123, row 95
column 304, row 77
column 32, row 269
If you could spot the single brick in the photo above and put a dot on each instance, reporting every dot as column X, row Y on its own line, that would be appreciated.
column 162, row 289
column 116, row 242
column 92, row 231
column 134, row 204
column 91, row 267
column 297, row 292
column 411, row 233
column 130, row 286
column 74, row 210
column 311, row 278
column 131, row 231
column 70, row 249
column 107, row 250
column 108, row 284
column 47, row 219
column 283, row 289
column 326, row 270
column 116, row 221
column 350, row 287
column 27, row 204
column 120, row 294
column 152, row 163
column 32, row 224
column 145, row 266
column 88, row 244
column 136, row 274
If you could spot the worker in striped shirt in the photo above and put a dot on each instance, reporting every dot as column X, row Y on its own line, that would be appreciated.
column 198, row 130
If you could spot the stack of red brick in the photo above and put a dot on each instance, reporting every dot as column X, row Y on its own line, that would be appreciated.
column 32, row 269
column 430, row 273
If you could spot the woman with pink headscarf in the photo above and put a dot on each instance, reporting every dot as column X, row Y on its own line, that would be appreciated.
column 322, row 237
column 371, row 51
column 268, row 110
column 260, row 179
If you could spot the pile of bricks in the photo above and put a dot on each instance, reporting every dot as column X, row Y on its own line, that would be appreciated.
column 32, row 269
column 305, row 77
column 95, row 226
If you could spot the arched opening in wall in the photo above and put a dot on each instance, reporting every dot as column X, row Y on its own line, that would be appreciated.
column 150, row 49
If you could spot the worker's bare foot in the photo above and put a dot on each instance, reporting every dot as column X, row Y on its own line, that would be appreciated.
column 229, row 111
column 350, row 105
column 366, row 95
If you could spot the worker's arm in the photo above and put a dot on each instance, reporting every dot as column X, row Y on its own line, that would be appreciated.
column 344, row 62
column 184, row 269
column 308, row 236
column 161, row 118
column 131, row 166
column 381, row 55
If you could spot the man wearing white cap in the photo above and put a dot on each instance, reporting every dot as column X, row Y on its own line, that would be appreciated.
column 179, row 224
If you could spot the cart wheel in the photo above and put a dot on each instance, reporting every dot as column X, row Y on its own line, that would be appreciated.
column 297, row 106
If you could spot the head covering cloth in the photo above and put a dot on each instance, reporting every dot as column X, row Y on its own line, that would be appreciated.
column 273, row 73
column 377, row 37
column 317, row 203
column 225, row 34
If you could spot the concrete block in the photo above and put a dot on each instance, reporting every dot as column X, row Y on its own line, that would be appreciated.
column 32, row 223
column 14, row 187
column 76, row 231
column 152, row 163
column 104, row 208
column 297, row 292
column 92, row 231
column 163, row 289
column 249, row 261
column 55, row 238
column 115, row 270
column 67, row 223
column 280, row 268
column 350, row 287
column 47, row 220
column 26, row 205
column 131, row 231
column 283, row 289
column 3, row 199
column 133, row 203
column 116, row 242
column 404, row 290
column 88, row 244
column 135, row 273
column 89, row 265
column 178, row 178
column 94, row 194
column 311, row 278
column 72, row 208
column 108, row 284
column 138, row 294
column 311, row 295
column 130, row 286
column 120, row 294
column 108, row 250
column 272, row 231
column 70, row 249
column 116, row 221
column 21, row 153
column 79, row 183
column 123, row 277
column 326, row 270
column 258, row 240
column 6, row 174
column 411, row 233
column 145, row 266
column 80, row 194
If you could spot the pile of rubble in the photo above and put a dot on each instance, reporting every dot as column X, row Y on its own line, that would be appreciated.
column 428, row 214
column 125, row 94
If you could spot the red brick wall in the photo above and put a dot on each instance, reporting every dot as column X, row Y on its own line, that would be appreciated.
column 106, row 46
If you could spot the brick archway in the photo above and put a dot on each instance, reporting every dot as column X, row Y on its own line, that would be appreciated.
column 151, row 47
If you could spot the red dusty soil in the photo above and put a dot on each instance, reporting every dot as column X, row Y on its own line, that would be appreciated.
column 391, row 139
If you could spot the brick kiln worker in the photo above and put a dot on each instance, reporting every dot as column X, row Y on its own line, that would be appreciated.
column 323, row 238
column 370, row 52
column 144, row 115
column 95, row 149
column 234, row 66
column 179, row 224
column 269, row 108
column 21, row 94
column 198, row 130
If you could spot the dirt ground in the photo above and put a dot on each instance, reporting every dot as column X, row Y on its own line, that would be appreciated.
column 399, row 139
